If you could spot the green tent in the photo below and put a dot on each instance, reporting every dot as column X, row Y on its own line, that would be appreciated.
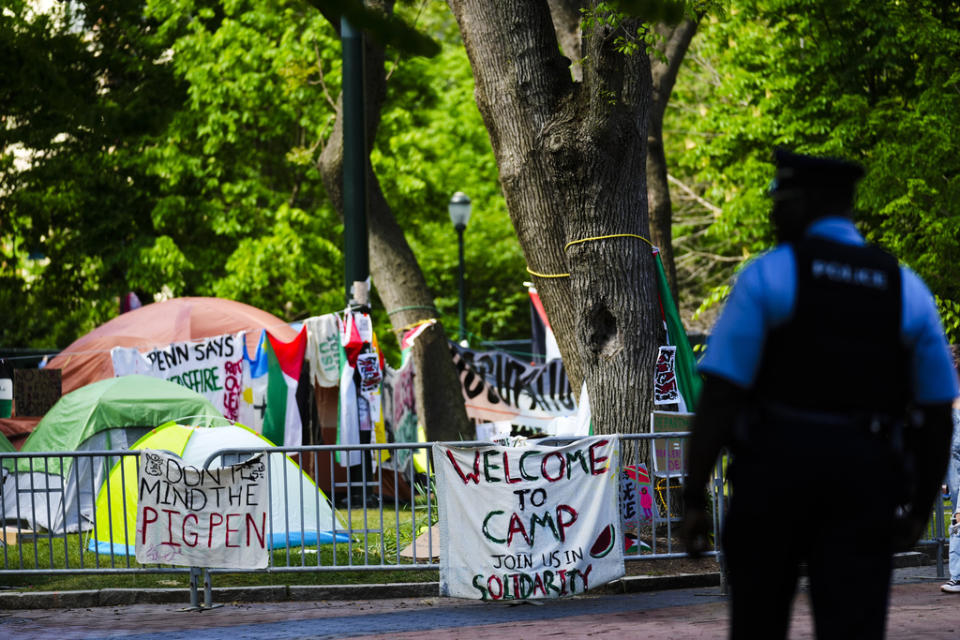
column 5, row 445
column 105, row 415
column 126, row 402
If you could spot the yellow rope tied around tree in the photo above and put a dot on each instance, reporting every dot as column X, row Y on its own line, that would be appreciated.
column 573, row 242
column 415, row 325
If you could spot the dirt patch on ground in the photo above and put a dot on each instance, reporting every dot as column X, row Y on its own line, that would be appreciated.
column 669, row 566
column 672, row 566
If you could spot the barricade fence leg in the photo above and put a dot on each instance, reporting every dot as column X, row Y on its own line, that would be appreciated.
column 194, row 587
column 208, row 591
column 940, row 527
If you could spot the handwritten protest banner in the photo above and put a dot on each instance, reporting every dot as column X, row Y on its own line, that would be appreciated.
column 530, row 522
column 201, row 517
column 499, row 387
column 213, row 367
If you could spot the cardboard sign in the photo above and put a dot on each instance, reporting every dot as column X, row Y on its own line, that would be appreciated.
column 636, row 505
column 669, row 456
column 528, row 522
column 201, row 517
column 35, row 391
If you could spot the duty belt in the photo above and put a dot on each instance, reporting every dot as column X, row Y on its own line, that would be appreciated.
column 875, row 423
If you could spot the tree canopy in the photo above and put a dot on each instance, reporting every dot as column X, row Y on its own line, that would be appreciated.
column 173, row 146
column 213, row 188
column 875, row 82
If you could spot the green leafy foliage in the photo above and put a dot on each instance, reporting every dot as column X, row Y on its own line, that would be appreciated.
column 389, row 30
column 173, row 146
column 239, row 163
column 432, row 143
column 872, row 81
column 81, row 98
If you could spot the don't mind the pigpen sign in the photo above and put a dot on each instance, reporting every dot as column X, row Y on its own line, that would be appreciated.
column 201, row 517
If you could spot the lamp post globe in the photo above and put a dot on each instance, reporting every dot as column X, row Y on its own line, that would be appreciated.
column 459, row 209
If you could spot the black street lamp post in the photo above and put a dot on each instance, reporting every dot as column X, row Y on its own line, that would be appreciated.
column 460, row 215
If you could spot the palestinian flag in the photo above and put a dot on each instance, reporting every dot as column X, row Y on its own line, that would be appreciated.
column 281, row 422
column 688, row 378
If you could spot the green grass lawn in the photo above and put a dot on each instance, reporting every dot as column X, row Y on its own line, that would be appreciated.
column 375, row 541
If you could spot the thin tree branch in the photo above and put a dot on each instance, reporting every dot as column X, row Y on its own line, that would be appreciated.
column 321, row 81
column 707, row 205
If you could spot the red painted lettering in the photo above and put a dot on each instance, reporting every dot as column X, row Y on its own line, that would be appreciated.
column 231, row 530
column 213, row 525
column 490, row 582
column 538, row 583
column 596, row 460
column 251, row 523
column 516, row 526
column 562, row 470
column 170, row 513
column 586, row 574
column 562, row 525
column 183, row 530
column 475, row 476
column 148, row 519
column 506, row 470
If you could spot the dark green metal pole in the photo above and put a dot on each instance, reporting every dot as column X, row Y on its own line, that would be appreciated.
column 356, row 257
column 463, row 314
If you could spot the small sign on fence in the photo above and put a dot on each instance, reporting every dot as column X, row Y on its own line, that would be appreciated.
column 669, row 455
column 201, row 517
column 520, row 523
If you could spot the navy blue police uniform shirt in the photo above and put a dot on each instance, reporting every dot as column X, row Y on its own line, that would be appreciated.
column 764, row 297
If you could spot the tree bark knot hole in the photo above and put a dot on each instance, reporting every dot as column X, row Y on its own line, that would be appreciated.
column 604, row 337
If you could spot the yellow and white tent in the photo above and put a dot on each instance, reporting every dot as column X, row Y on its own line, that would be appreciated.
column 299, row 512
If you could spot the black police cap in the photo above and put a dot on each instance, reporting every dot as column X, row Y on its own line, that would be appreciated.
column 798, row 171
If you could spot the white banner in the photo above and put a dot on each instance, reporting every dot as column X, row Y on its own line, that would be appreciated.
column 215, row 518
column 499, row 387
column 529, row 522
column 213, row 367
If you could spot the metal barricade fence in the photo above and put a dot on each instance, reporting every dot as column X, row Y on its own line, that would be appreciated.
column 59, row 516
column 53, row 514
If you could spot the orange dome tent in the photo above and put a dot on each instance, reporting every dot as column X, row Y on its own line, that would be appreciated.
column 87, row 359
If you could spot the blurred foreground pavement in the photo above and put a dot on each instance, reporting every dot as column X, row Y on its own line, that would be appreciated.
column 918, row 610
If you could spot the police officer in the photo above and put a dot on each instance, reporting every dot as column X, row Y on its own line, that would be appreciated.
column 828, row 378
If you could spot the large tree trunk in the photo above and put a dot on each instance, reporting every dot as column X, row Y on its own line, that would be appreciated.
column 571, row 158
column 673, row 47
column 396, row 272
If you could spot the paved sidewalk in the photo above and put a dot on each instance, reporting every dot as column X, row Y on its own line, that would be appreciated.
column 918, row 611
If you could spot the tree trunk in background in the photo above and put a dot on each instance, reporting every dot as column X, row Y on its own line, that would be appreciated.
column 571, row 158
column 676, row 41
column 395, row 270
column 566, row 22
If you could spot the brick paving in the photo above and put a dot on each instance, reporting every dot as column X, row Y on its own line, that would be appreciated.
column 918, row 611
